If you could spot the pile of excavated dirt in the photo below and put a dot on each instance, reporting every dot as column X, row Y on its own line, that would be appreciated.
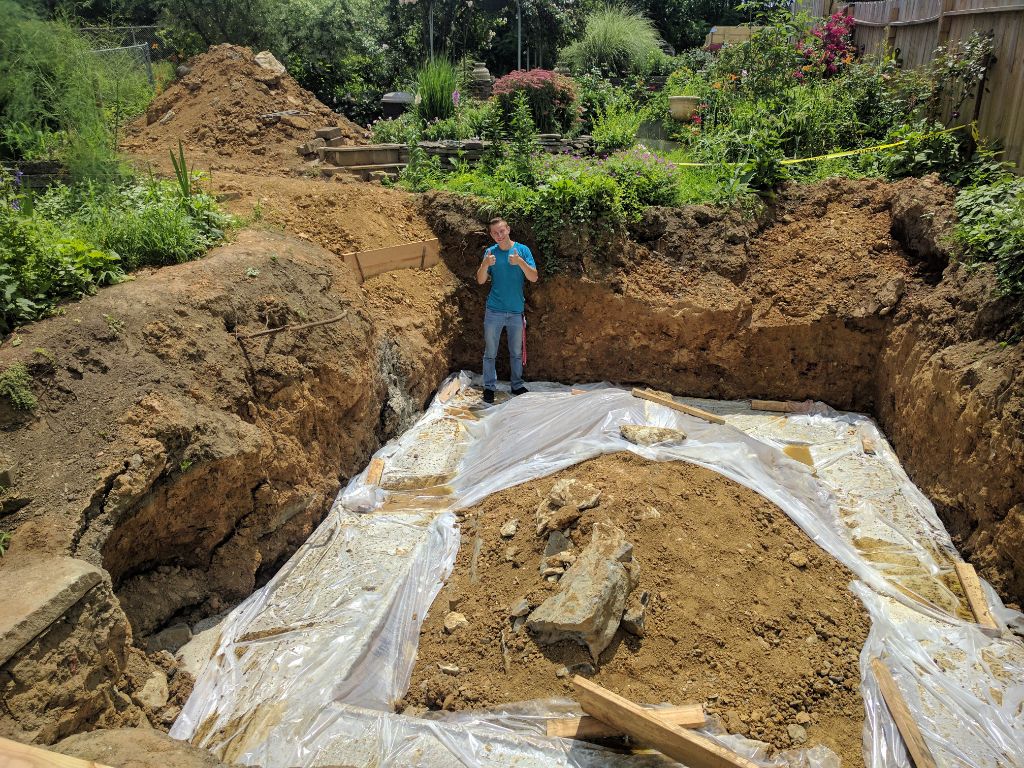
column 746, row 615
column 231, row 112
column 339, row 217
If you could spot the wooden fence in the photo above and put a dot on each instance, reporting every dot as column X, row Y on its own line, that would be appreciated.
column 915, row 28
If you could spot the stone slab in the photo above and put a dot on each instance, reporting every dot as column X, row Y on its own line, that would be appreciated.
column 37, row 594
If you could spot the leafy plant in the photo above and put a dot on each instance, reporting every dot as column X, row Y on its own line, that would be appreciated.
column 616, row 126
column 990, row 227
column 550, row 97
column 181, row 172
column 5, row 542
column 16, row 386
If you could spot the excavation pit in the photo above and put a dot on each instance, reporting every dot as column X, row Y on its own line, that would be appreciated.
column 764, row 606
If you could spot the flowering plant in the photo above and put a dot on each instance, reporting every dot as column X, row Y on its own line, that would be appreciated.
column 830, row 45
column 550, row 95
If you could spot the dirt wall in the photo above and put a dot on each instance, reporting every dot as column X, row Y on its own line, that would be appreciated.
column 202, row 462
column 843, row 292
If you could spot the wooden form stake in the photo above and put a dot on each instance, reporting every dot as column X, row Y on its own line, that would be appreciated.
column 375, row 472
column 916, row 745
column 668, row 402
column 587, row 727
column 16, row 755
column 691, row 749
column 975, row 595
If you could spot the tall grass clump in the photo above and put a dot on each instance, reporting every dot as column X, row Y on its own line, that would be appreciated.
column 617, row 40
column 58, row 99
column 436, row 84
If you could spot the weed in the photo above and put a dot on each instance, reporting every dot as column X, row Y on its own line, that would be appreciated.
column 16, row 386
column 114, row 324
column 5, row 541
column 252, row 272
column 45, row 354
column 185, row 464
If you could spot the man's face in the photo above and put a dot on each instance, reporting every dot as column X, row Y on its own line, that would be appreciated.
column 499, row 232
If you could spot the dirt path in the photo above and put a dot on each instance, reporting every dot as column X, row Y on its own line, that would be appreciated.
column 746, row 615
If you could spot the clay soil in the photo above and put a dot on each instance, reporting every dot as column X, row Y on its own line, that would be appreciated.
column 226, row 111
column 746, row 616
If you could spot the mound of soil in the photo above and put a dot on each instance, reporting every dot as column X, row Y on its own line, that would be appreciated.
column 247, row 115
column 746, row 615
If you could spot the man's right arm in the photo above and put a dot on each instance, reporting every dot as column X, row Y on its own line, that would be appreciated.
column 481, row 271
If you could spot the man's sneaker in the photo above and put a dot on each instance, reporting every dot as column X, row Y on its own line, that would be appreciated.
column 520, row 391
column 489, row 396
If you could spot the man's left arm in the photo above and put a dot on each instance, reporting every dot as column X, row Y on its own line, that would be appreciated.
column 526, row 263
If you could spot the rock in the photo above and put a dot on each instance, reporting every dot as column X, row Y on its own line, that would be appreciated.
column 508, row 530
column 295, row 121
column 557, row 542
column 454, row 621
column 589, row 606
column 520, row 607
column 267, row 60
column 803, row 718
column 562, row 671
column 510, row 554
column 643, row 434
column 154, row 692
column 567, row 499
column 636, row 613
column 797, row 733
column 646, row 514
column 798, row 559
column 552, row 571
column 449, row 669
column 168, row 116
column 559, row 559
column 170, row 639
column 182, row 70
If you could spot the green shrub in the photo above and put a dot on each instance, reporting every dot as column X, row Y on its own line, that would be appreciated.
column 436, row 83
column 617, row 40
column 551, row 98
column 645, row 178
column 616, row 126
column 59, row 100
column 395, row 130
column 990, row 227
column 16, row 387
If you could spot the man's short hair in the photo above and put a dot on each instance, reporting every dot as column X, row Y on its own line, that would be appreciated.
column 496, row 220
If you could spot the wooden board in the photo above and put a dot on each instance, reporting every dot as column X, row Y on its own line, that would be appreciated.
column 782, row 406
column 668, row 402
column 912, row 738
column 375, row 472
column 587, row 727
column 418, row 255
column 691, row 749
column 16, row 755
column 801, row 453
column 975, row 595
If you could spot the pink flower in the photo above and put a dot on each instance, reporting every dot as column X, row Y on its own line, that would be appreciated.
column 455, row 98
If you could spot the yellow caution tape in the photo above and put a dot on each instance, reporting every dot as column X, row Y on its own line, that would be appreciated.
column 847, row 153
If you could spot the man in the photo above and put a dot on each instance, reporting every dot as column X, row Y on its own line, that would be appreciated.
column 508, row 264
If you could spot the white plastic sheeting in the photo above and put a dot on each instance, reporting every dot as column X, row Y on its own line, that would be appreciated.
column 308, row 668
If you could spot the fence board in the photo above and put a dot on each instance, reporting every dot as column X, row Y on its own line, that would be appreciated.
column 916, row 28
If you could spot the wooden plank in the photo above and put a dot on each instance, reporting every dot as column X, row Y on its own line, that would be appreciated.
column 668, row 402
column 975, row 595
column 782, row 406
column 691, row 749
column 575, row 391
column 16, row 755
column 587, row 727
column 449, row 390
column 421, row 253
column 375, row 472
column 912, row 738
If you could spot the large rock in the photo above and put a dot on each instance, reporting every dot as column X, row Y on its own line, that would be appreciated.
column 593, row 594
column 644, row 434
column 567, row 500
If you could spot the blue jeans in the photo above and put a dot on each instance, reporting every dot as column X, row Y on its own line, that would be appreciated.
column 512, row 322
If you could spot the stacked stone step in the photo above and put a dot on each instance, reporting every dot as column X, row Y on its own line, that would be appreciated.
column 330, row 136
column 452, row 152
column 369, row 162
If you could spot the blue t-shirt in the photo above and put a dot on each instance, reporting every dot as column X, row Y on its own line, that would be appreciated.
column 507, row 279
